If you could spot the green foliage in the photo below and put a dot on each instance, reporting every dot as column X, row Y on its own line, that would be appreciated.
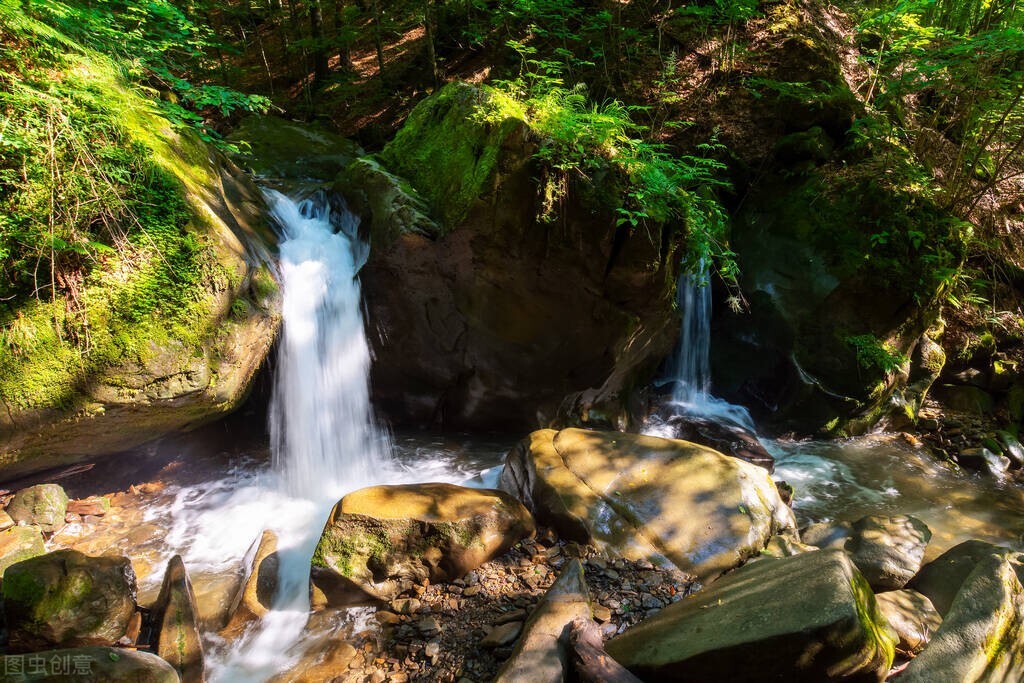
column 579, row 138
column 874, row 354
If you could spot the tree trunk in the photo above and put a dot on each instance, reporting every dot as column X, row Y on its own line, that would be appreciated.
column 316, row 30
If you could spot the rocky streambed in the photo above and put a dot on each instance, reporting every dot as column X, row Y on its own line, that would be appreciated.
column 635, row 540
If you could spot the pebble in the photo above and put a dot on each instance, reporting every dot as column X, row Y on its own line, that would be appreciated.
column 388, row 618
column 377, row 676
column 432, row 649
column 406, row 605
column 428, row 625
column 470, row 591
column 601, row 613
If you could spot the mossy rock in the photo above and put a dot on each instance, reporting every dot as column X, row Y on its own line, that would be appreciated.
column 807, row 618
column 67, row 599
column 382, row 540
column 278, row 148
column 43, row 505
column 96, row 665
column 19, row 543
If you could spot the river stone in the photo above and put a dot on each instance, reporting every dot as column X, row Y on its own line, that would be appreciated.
column 97, row 665
column 19, row 543
column 888, row 550
column 177, row 621
column 807, row 618
column 644, row 497
column 940, row 580
column 911, row 616
column 541, row 655
column 380, row 541
column 982, row 635
column 255, row 594
column 827, row 534
column 43, row 505
column 981, row 458
column 66, row 598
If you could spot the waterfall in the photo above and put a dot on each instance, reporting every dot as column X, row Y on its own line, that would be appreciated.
column 690, row 370
column 323, row 436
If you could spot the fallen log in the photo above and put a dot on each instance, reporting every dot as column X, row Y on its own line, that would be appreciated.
column 592, row 663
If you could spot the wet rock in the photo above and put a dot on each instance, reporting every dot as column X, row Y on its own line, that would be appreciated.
column 940, row 580
column 785, row 546
column 321, row 666
column 827, row 534
column 982, row 635
column 980, row 458
column 502, row 634
column 94, row 505
column 911, row 615
column 808, row 618
column 888, row 551
column 382, row 540
column 1012, row 448
column 254, row 597
column 725, row 438
column 19, row 543
column 177, row 622
column 966, row 399
column 5, row 521
column 541, row 655
column 43, row 505
column 65, row 598
column 99, row 664
column 659, row 498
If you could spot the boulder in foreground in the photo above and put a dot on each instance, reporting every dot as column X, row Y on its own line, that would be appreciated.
column 807, row 618
column 646, row 497
column 98, row 665
column 381, row 540
column 888, row 550
column 66, row 598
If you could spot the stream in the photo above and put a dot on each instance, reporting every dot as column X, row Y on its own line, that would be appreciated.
column 212, row 493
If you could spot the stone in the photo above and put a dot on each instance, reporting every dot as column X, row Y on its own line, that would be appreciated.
column 809, row 618
column 940, row 580
column 324, row 663
column 541, row 655
column 406, row 605
column 178, row 640
column 103, row 664
column 94, row 505
column 966, row 399
column 428, row 625
column 888, row 551
column 980, row 458
column 982, row 634
column 502, row 634
column 279, row 148
column 256, row 592
column 1012, row 448
column 19, row 543
column 432, row 649
column 43, row 505
column 5, row 521
column 827, row 534
column 383, row 540
column 912, row 616
column 723, row 437
column 648, row 498
column 66, row 598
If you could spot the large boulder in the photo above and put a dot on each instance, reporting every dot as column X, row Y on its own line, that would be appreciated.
column 982, row 635
column 808, row 618
column 67, row 599
column 380, row 541
column 940, row 580
column 43, row 505
column 176, row 619
column 278, row 148
column 19, row 543
column 94, row 665
column 256, row 592
column 888, row 551
column 541, row 654
column 489, row 317
column 647, row 497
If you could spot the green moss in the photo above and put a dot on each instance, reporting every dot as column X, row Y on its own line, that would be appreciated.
column 873, row 622
column 447, row 155
column 347, row 553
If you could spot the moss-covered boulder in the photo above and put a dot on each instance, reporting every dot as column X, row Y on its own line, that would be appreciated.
column 178, row 641
column 96, row 664
column 19, row 543
column 982, row 635
column 646, row 497
column 281, row 149
column 490, row 314
column 67, row 599
column 809, row 618
column 382, row 540
column 940, row 580
column 43, row 505
column 158, row 311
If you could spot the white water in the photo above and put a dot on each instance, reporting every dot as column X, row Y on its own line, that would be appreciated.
column 690, row 371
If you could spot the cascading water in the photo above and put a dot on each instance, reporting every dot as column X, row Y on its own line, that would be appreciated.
column 323, row 436
column 690, row 371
